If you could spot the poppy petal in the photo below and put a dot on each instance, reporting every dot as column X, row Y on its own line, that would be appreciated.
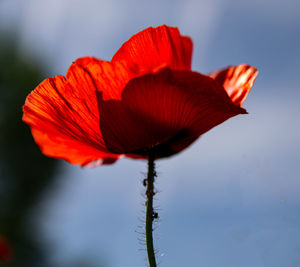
column 237, row 81
column 165, row 111
column 154, row 48
column 107, row 77
column 59, row 146
column 64, row 118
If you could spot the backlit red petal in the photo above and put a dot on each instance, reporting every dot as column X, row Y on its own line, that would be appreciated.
column 167, row 111
column 56, row 145
column 64, row 118
column 154, row 48
column 110, row 78
column 237, row 81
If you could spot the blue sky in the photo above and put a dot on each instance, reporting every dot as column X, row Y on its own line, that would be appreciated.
column 232, row 198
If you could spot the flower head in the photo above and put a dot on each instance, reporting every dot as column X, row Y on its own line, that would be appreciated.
column 146, row 98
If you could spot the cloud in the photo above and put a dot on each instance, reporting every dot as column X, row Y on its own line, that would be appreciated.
column 61, row 31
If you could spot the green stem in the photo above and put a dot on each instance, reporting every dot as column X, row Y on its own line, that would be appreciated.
column 149, row 210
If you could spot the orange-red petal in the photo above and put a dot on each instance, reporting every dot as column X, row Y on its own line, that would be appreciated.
column 64, row 118
column 154, row 48
column 146, row 52
column 56, row 145
column 110, row 78
column 165, row 111
column 237, row 81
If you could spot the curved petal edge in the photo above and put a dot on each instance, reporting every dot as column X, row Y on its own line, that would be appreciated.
column 237, row 81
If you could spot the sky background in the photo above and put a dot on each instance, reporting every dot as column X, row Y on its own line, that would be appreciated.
column 232, row 199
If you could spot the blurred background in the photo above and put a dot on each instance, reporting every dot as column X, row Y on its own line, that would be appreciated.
column 232, row 199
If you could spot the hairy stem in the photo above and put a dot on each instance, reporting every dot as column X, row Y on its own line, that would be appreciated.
column 149, row 210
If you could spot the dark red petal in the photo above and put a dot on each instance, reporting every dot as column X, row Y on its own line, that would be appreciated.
column 64, row 118
column 166, row 111
column 154, row 48
column 237, row 81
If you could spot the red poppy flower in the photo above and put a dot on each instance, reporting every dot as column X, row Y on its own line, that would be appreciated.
column 146, row 98
column 5, row 250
